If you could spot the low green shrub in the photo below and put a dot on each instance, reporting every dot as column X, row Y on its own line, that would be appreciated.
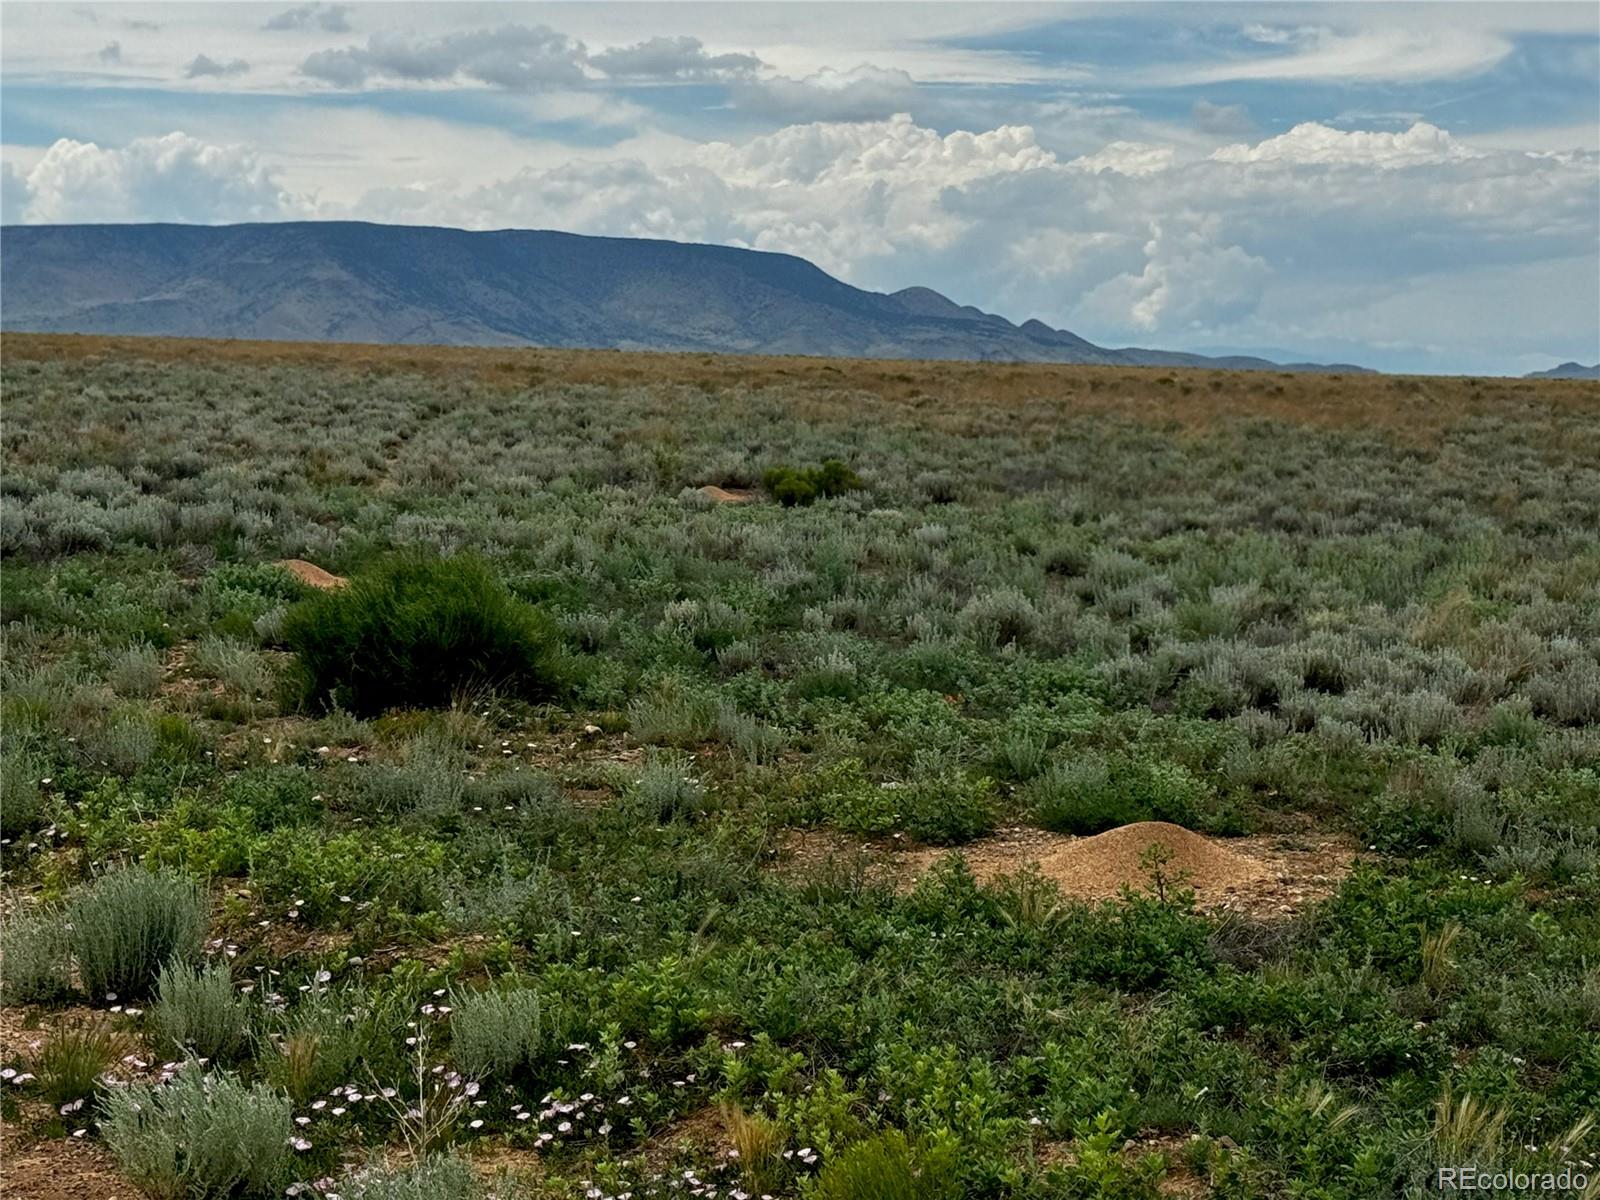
column 416, row 632
column 948, row 808
column 201, row 1137
column 201, row 1012
column 496, row 1032
column 791, row 486
column 1079, row 796
column 128, row 924
column 1094, row 793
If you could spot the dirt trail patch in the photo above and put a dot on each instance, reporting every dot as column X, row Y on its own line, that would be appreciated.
column 727, row 495
column 311, row 574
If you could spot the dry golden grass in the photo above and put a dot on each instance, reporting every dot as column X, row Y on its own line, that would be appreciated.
column 960, row 397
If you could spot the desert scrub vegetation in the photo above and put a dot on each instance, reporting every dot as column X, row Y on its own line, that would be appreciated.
column 509, row 850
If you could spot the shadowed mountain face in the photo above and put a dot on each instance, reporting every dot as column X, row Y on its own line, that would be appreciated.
column 355, row 282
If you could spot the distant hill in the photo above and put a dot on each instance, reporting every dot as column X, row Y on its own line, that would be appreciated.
column 1567, row 370
column 348, row 281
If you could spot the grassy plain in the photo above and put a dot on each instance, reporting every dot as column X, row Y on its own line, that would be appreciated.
column 737, row 900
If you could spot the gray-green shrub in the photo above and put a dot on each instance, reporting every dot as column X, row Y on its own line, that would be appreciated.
column 128, row 924
column 20, row 799
column 35, row 966
column 444, row 1177
column 496, row 1032
column 201, row 1137
column 667, row 789
column 201, row 1012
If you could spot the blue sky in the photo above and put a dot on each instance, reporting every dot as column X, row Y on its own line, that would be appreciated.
column 1412, row 186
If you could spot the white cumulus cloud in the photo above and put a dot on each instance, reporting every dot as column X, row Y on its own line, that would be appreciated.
column 1310, row 142
column 171, row 178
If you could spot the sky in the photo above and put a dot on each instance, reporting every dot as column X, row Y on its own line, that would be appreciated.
column 1412, row 187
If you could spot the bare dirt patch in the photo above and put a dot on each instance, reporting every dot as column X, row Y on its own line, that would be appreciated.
column 59, row 1169
column 311, row 574
column 728, row 495
column 1262, row 875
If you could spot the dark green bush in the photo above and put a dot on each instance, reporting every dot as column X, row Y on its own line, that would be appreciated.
column 948, row 809
column 417, row 632
column 790, row 486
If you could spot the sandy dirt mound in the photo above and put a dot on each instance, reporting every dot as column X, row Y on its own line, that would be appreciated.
column 1264, row 875
column 727, row 496
column 310, row 573
column 1101, row 866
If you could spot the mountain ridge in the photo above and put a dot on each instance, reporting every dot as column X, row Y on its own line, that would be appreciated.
column 352, row 281
column 1567, row 370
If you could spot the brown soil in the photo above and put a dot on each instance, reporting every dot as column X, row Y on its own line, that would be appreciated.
column 311, row 574
column 727, row 495
column 36, row 1168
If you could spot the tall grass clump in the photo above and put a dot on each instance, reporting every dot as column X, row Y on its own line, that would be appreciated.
column 128, row 924
column 73, row 1062
column 889, row 1167
column 414, row 633
column 201, row 1012
column 201, row 1136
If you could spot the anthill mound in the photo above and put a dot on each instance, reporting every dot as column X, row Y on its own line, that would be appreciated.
column 727, row 496
column 311, row 574
column 1101, row 866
